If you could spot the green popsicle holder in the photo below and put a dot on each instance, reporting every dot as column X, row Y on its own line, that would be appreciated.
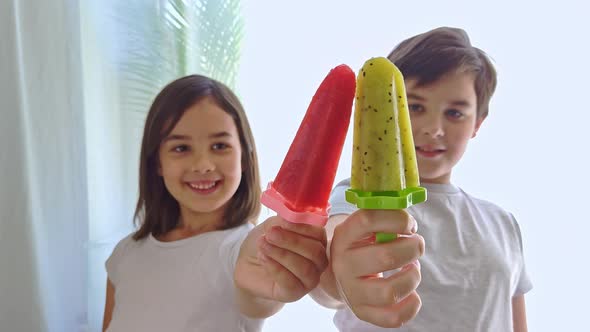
column 386, row 200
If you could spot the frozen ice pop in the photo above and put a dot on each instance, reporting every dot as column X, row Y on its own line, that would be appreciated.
column 301, row 189
column 384, row 170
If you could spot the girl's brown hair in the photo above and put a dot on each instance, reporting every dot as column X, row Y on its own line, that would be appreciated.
column 430, row 55
column 157, row 212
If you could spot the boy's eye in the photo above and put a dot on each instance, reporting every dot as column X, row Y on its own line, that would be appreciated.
column 415, row 108
column 180, row 148
column 220, row 146
column 454, row 114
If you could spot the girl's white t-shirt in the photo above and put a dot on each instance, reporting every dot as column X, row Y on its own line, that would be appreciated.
column 184, row 285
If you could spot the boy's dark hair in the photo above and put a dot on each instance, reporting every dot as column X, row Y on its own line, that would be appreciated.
column 157, row 212
column 430, row 55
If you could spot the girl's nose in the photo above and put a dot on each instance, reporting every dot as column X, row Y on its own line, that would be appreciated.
column 202, row 163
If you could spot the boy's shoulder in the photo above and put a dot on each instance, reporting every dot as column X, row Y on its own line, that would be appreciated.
column 343, row 183
column 494, row 212
column 487, row 205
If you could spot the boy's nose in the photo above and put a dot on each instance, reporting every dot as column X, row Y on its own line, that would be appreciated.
column 202, row 164
column 433, row 128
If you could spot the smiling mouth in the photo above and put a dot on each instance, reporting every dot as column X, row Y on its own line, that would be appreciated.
column 204, row 187
column 429, row 152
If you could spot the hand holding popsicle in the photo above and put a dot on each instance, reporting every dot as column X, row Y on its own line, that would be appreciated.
column 357, row 262
column 282, row 259
column 384, row 181
column 279, row 262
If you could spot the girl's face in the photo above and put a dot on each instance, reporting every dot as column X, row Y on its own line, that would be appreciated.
column 444, row 119
column 200, row 160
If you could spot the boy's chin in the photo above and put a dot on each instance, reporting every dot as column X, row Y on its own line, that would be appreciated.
column 444, row 178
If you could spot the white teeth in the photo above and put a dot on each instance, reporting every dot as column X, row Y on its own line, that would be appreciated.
column 202, row 186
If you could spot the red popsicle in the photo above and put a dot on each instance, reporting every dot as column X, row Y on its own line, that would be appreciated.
column 301, row 189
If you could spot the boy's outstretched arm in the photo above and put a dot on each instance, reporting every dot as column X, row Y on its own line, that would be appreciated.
column 519, row 314
column 356, row 261
column 279, row 262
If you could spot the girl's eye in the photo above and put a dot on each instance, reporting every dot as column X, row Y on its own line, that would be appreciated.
column 220, row 146
column 415, row 108
column 180, row 148
column 454, row 114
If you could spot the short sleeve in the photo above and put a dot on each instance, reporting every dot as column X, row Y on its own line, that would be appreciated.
column 338, row 202
column 112, row 263
column 524, row 284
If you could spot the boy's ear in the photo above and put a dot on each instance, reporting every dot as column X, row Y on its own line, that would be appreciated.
column 478, row 123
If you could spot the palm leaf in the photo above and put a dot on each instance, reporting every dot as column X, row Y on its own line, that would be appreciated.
column 219, row 42
column 157, row 41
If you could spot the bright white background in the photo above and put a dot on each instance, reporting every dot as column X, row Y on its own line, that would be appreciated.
column 529, row 156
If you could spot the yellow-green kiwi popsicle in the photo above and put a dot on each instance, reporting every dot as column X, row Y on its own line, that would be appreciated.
column 384, row 168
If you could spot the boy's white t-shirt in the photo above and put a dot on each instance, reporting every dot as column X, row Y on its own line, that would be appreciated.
column 472, row 266
column 184, row 285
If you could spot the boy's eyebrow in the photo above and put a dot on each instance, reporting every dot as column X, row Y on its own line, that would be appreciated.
column 461, row 102
column 415, row 96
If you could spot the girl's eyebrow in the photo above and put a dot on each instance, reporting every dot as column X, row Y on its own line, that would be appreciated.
column 176, row 138
column 220, row 134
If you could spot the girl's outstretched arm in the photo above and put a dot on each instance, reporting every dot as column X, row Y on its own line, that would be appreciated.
column 279, row 262
column 519, row 314
column 109, row 306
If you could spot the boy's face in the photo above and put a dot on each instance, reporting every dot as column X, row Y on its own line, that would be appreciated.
column 444, row 119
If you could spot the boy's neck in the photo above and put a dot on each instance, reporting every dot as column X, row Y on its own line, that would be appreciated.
column 440, row 180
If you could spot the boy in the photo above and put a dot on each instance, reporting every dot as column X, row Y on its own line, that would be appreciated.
column 472, row 276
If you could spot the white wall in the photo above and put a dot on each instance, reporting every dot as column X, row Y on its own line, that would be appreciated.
column 528, row 157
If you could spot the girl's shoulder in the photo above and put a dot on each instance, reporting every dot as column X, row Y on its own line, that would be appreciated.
column 127, row 242
column 237, row 233
column 120, row 250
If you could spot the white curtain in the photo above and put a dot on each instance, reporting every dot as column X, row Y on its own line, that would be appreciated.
column 76, row 79
column 43, row 182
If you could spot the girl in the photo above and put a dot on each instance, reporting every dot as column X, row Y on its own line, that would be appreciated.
column 198, row 200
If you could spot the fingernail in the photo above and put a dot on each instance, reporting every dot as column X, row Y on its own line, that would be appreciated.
column 263, row 244
column 408, row 266
column 262, row 257
column 274, row 235
column 415, row 227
